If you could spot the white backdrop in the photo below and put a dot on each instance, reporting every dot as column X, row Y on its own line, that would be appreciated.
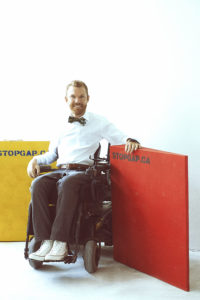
column 140, row 60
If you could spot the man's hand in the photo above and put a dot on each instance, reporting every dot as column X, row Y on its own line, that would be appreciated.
column 33, row 168
column 131, row 146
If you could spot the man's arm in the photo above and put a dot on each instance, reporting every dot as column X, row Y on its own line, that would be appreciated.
column 116, row 137
column 47, row 158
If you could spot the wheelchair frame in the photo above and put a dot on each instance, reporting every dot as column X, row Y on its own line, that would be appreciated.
column 98, row 218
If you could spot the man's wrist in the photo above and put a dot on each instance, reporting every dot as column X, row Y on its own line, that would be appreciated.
column 132, row 140
column 34, row 160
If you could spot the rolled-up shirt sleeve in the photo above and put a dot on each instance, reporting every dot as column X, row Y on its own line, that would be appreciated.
column 112, row 134
column 50, row 156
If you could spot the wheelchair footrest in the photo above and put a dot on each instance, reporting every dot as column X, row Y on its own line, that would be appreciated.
column 67, row 260
column 70, row 259
column 47, row 261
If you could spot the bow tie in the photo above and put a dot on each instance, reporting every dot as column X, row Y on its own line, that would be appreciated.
column 81, row 120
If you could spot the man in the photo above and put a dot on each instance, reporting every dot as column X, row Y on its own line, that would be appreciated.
column 79, row 139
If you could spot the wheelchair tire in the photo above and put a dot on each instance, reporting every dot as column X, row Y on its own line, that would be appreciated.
column 34, row 246
column 91, row 256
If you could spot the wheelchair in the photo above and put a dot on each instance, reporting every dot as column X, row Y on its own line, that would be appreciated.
column 92, row 222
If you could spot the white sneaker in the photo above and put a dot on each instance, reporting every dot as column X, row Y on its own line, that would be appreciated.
column 58, row 252
column 42, row 251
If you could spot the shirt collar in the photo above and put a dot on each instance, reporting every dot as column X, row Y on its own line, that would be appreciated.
column 86, row 115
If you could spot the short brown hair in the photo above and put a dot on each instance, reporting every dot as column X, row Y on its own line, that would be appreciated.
column 77, row 83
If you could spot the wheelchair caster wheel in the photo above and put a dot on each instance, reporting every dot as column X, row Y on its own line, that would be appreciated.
column 91, row 256
column 35, row 264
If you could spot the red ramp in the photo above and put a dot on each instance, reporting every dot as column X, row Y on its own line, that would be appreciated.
column 150, row 213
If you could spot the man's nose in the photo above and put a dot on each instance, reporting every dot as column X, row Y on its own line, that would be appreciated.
column 77, row 100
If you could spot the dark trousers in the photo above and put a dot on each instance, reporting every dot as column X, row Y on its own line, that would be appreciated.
column 63, row 187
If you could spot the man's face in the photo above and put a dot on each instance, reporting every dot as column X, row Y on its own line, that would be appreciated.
column 77, row 100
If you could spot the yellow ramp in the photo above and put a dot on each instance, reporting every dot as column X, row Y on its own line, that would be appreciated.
column 14, row 186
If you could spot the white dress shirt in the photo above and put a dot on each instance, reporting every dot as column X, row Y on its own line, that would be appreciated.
column 76, row 142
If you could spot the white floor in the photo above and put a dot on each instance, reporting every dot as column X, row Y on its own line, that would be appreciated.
column 111, row 281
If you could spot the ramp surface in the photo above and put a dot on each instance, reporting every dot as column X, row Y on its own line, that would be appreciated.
column 150, row 213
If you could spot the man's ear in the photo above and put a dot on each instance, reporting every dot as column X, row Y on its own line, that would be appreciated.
column 88, row 98
column 66, row 99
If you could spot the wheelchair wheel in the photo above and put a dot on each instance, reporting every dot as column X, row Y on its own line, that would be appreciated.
column 91, row 256
column 34, row 246
column 35, row 264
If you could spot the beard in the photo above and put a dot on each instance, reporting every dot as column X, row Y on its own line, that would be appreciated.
column 78, row 109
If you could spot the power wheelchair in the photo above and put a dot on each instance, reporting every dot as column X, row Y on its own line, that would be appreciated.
column 92, row 222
